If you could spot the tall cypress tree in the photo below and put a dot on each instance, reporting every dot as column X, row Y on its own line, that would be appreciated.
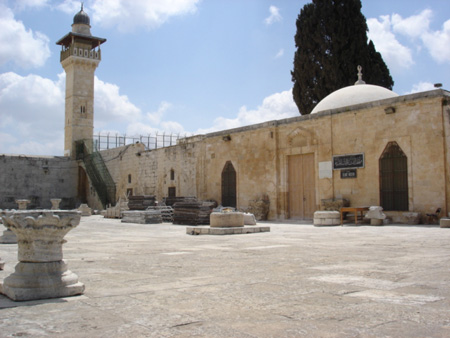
column 331, row 41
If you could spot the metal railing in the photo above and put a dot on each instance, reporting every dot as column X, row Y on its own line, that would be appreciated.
column 97, row 171
column 157, row 140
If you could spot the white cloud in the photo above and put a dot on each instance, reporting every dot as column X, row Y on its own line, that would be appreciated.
column 111, row 107
column 438, row 43
column 154, row 123
column 274, row 107
column 396, row 55
column 421, row 87
column 417, row 29
column 274, row 16
column 413, row 26
column 20, row 46
column 155, row 117
column 34, row 123
column 32, row 115
column 22, row 4
column 69, row 6
column 127, row 15
column 280, row 53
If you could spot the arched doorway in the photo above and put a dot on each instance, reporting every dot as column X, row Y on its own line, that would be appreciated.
column 83, row 185
column 393, row 178
column 229, row 185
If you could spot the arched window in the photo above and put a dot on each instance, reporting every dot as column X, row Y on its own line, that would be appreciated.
column 229, row 185
column 129, row 178
column 172, row 174
column 394, row 178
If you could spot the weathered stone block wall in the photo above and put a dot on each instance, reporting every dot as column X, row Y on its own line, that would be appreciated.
column 252, row 151
column 260, row 156
column 38, row 179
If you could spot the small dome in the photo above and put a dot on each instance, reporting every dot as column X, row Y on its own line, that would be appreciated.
column 351, row 95
column 81, row 17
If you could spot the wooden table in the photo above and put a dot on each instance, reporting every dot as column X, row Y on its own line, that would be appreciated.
column 354, row 210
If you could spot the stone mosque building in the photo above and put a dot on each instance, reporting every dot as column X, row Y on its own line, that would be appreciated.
column 363, row 143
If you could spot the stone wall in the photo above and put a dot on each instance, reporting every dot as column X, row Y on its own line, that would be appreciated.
column 260, row 156
column 38, row 179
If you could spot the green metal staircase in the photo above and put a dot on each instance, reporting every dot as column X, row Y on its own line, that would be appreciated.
column 97, row 171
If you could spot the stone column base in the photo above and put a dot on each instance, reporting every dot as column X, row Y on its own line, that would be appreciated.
column 32, row 281
column 327, row 218
column 376, row 221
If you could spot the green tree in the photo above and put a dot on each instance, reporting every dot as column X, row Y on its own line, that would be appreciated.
column 331, row 41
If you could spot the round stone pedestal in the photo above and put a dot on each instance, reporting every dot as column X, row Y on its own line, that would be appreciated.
column 41, row 273
column 376, row 221
column 226, row 219
column 327, row 218
column 8, row 237
column 41, row 281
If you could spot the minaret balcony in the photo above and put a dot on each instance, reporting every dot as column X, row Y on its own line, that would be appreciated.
column 81, row 52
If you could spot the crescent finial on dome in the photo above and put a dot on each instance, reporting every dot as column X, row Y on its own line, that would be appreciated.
column 360, row 80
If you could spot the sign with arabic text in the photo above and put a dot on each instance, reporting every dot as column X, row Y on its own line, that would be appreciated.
column 349, row 161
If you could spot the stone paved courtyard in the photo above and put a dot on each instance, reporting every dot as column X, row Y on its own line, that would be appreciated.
column 295, row 281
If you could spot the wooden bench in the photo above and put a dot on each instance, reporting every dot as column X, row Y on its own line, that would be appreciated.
column 355, row 210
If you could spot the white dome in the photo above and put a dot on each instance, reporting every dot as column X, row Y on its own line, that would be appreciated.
column 351, row 95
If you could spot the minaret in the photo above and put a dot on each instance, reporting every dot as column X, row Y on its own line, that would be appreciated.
column 80, row 56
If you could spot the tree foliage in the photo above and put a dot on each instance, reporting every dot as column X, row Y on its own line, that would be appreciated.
column 331, row 41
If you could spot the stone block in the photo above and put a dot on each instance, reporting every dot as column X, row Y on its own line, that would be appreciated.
column 334, row 204
column 249, row 219
column 327, row 218
column 411, row 218
column 225, row 231
column 226, row 219
column 260, row 207
column 444, row 223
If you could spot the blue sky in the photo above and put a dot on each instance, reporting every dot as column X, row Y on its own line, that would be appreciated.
column 188, row 66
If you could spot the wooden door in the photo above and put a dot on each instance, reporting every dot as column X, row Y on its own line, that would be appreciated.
column 302, row 190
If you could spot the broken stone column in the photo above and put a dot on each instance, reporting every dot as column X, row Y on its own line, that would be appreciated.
column 23, row 204
column 41, row 272
column 55, row 203
column 376, row 215
column 85, row 210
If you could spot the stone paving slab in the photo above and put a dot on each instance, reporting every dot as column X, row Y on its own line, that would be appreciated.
column 206, row 230
column 295, row 281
